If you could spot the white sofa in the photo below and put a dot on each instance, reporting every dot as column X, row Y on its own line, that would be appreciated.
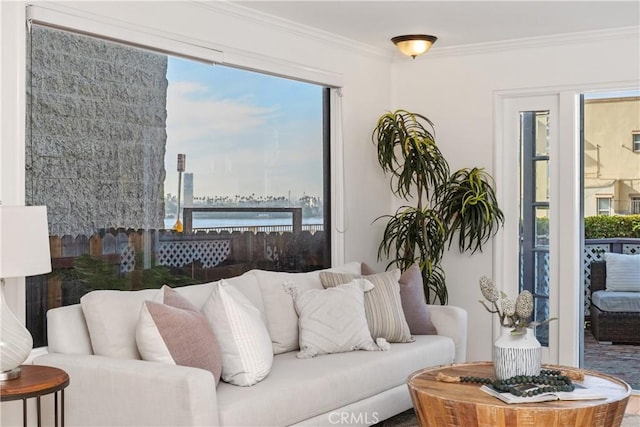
column 353, row 388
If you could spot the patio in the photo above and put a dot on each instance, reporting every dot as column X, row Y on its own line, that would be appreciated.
column 622, row 361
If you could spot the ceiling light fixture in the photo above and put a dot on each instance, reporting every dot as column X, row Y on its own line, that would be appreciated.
column 414, row 44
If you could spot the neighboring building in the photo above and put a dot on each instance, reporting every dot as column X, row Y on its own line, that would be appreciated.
column 188, row 189
column 612, row 156
column 95, row 134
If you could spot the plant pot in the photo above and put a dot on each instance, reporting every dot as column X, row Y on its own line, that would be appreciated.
column 516, row 354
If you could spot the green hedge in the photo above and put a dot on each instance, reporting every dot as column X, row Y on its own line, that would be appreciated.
column 603, row 227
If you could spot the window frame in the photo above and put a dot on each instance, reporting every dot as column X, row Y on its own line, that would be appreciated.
column 328, row 117
column 600, row 212
column 635, row 141
column 15, row 23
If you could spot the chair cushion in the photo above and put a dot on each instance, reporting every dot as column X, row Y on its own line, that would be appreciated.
column 616, row 301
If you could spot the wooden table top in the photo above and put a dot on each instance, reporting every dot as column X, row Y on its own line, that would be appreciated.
column 442, row 404
column 35, row 380
column 424, row 382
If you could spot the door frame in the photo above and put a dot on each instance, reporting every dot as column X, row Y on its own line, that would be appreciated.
column 566, row 204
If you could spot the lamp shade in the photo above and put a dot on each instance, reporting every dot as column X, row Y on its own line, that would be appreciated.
column 24, row 241
column 414, row 44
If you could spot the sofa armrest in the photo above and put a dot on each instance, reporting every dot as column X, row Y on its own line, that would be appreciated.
column 451, row 321
column 106, row 391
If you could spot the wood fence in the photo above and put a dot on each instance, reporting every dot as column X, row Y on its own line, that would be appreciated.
column 137, row 259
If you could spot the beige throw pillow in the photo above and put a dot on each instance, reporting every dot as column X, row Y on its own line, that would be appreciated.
column 382, row 305
column 333, row 320
column 173, row 331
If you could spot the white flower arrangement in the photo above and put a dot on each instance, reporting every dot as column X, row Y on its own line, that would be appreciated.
column 512, row 315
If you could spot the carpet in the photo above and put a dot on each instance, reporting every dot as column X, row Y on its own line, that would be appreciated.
column 408, row 419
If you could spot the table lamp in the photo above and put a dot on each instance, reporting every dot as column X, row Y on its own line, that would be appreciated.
column 24, row 251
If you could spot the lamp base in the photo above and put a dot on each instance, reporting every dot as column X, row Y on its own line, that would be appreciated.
column 15, row 340
column 11, row 374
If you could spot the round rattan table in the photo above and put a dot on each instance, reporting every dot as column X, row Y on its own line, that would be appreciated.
column 440, row 404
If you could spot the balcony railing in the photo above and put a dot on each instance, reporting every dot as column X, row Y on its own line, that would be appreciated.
column 295, row 227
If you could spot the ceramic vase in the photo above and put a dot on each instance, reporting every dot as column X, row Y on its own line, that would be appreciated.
column 516, row 354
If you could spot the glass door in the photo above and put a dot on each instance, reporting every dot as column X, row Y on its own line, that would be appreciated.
column 534, row 214
column 538, row 183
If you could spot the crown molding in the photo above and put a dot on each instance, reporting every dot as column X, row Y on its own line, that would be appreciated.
column 533, row 42
column 243, row 12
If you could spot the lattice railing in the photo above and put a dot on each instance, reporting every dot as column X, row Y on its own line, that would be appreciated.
column 177, row 254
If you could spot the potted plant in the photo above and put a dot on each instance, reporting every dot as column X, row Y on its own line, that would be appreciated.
column 446, row 204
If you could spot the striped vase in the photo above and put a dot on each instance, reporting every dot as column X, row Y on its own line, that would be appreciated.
column 516, row 354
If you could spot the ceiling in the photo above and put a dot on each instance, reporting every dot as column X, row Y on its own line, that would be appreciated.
column 455, row 23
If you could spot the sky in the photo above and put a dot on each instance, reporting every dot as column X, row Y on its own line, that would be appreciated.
column 242, row 132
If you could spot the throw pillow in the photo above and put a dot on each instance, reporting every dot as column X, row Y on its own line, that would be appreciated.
column 282, row 320
column 382, row 304
column 623, row 272
column 244, row 341
column 414, row 307
column 333, row 320
column 173, row 331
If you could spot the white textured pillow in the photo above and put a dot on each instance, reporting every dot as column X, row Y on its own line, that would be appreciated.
column 383, row 305
column 333, row 320
column 282, row 320
column 243, row 338
column 623, row 272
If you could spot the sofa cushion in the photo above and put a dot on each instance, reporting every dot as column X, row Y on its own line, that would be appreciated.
column 280, row 313
column 623, row 272
column 382, row 304
column 173, row 331
column 333, row 320
column 112, row 317
column 308, row 387
column 242, row 335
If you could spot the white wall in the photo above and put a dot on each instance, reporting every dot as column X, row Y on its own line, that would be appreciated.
column 457, row 93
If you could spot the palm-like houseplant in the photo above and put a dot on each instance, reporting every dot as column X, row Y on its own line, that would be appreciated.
column 461, row 203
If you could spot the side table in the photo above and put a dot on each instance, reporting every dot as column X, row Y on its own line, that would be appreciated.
column 36, row 381
column 440, row 404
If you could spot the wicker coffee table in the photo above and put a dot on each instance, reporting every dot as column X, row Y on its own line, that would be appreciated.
column 439, row 404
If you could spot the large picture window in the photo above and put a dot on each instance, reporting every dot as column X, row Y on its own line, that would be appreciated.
column 106, row 125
